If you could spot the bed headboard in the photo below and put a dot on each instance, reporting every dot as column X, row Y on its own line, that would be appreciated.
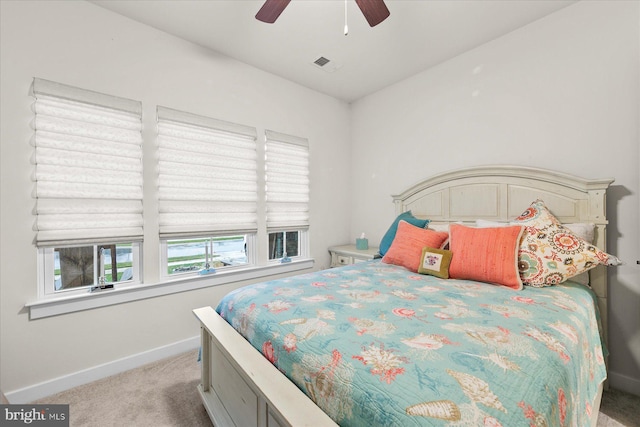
column 501, row 193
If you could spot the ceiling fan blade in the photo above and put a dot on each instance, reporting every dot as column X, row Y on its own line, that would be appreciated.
column 270, row 10
column 375, row 11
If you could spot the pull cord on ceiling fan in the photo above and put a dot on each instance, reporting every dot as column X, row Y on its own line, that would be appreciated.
column 375, row 11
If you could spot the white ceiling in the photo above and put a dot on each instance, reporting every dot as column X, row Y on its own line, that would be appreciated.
column 419, row 34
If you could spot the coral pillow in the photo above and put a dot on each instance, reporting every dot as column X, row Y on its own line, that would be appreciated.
column 406, row 249
column 550, row 253
column 583, row 230
column 486, row 254
column 388, row 237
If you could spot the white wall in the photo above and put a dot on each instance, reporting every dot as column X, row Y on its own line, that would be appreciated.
column 561, row 93
column 567, row 84
column 81, row 44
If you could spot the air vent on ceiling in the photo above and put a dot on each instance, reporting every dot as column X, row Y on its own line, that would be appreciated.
column 326, row 64
column 321, row 62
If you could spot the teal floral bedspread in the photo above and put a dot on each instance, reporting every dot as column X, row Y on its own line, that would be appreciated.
column 377, row 345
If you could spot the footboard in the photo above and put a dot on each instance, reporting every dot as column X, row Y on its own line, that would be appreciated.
column 239, row 387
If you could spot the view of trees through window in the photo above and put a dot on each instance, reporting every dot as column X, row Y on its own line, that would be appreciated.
column 188, row 255
column 82, row 266
column 278, row 247
column 76, row 267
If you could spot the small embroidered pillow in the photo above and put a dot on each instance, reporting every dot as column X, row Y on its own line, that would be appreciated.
column 435, row 262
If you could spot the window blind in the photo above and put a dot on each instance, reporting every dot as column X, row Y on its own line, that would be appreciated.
column 287, row 181
column 207, row 181
column 88, row 166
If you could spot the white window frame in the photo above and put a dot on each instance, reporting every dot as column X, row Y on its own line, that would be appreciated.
column 122, row 294
column 251, row 239
column 303, row 244
column 46, row 272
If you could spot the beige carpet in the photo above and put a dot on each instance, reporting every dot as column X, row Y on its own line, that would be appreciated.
column 159, row 394
column 619, row 409
column 164, row 394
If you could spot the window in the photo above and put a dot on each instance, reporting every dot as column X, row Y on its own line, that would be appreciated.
column 88, row 221
column 84, row 268
column 287, row 194
column 284, row 244
column 88, row 173
column 88, row 216
column 208, row 192
column 191, row 255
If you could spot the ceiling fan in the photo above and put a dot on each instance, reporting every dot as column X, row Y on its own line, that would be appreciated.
column 375, row 11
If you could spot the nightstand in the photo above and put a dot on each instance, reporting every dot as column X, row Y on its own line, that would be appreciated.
column 348, row 254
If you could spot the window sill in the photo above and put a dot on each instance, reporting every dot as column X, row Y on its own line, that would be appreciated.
column 69, row 304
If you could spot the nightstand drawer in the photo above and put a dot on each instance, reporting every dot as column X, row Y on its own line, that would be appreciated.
column 344, row 260
column 349, row 254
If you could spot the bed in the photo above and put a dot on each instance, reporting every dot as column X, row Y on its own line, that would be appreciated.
column 392, row 347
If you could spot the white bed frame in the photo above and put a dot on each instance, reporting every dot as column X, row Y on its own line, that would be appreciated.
column 241, row 388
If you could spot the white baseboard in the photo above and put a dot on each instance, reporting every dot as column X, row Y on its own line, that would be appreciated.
column 38, row 391
column 624, row 383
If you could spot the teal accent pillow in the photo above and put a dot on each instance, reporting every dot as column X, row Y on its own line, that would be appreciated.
column 388, row 237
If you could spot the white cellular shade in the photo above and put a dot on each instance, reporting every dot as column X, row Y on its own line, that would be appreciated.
column 88, row 166
column 207, row 175
column 287, row 181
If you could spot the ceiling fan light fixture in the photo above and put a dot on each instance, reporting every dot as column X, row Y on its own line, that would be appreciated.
column 375, row 11
column 346, row 27
column 271, row 10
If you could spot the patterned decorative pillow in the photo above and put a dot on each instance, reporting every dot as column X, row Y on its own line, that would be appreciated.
column 406, row 248
column 388, row 237
column 486, row 254
column 550, row 253
column 583, row 230
column 435, row 262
